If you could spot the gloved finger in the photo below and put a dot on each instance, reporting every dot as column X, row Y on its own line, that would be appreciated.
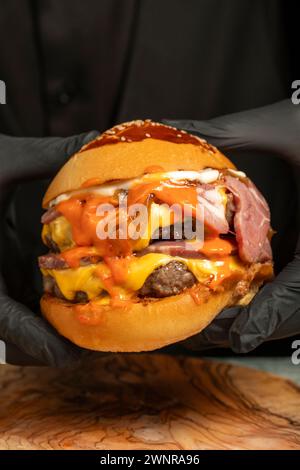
column 275, row 308
column 215, row 335
column 274, row 128
column 33, row 335
column 30, row 158
column 221, row 132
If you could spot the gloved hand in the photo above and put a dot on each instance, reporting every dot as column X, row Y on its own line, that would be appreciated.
column 274, row 312
column 23, row 160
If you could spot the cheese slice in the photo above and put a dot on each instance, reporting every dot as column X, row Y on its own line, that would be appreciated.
column 159, row 215
column 88, row 278
column 60, row 231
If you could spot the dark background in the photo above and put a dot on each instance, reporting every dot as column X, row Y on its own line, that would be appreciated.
column 72, row 66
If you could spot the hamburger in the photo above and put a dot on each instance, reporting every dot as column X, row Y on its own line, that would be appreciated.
column 108, row 287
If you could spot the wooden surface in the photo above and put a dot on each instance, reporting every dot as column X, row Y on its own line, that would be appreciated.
column 147, row 402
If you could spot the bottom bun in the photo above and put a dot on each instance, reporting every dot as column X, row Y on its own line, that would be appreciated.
column 146, row 326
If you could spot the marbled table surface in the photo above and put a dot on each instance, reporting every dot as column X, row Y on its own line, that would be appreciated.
column 152, row 401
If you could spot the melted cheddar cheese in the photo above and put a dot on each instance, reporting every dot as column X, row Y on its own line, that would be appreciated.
column 90, row 278
column 60, row 229
column 160, row 216
column 61, row 233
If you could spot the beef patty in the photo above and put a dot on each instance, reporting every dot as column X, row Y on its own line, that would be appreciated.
column 167, row 280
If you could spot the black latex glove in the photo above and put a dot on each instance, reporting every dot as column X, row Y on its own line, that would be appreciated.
column 274, row 312
column 23, row 160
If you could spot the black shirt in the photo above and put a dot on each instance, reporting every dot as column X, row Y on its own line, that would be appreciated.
column 70, row 65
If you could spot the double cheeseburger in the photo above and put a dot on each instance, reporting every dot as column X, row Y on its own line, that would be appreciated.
column 124, row 293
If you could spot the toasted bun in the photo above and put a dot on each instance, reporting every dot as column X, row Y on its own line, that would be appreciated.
column 127, row 150
column 146, row 326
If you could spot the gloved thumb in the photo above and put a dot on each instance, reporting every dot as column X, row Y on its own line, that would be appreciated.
column 273, row 128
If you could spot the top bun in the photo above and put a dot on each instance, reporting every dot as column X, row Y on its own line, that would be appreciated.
column 128, row 150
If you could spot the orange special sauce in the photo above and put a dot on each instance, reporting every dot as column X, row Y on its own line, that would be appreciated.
column 93, row 314
column 74, row 255
column 217, row 247
column 81, row 213
column 89, row 314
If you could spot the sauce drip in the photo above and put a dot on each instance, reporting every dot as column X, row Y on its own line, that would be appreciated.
column 93, row 314
column 74, row 255
column 166, row 193
column 118, row 267
column 217, row 247
column 224, row 272
column 81, row 213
